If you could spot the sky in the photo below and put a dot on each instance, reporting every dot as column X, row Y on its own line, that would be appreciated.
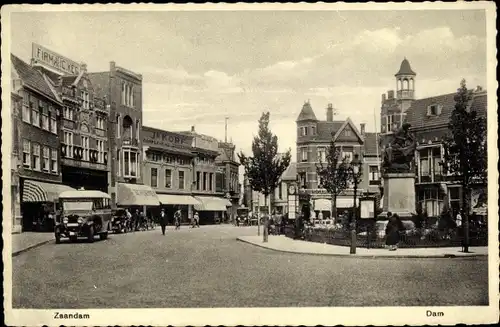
column 199, row 67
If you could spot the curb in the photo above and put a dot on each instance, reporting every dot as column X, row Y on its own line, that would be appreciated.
column 30, row 247
column 371, row 256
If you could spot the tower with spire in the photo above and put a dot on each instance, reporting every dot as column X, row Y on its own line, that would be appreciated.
column 394, row 106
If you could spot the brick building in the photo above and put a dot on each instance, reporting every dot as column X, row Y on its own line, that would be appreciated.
column 227, row 175
column 122, row 91
column 168, row 170
column 36, row 175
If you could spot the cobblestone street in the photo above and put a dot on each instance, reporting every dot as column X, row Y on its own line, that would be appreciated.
column 208, row 267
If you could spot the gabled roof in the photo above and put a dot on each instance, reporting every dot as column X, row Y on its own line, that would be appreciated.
column 100, row 83
column 417, row 113
column 405, row 68
column 370, row 145
column 348, row 121
column 290, row 173
column 33, row 78
column 306, row 113
column 326, row 129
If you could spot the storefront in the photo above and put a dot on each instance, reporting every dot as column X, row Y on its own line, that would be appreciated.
column 39, row 204
column 173, row 202
column 211, row 209
column 136, row 197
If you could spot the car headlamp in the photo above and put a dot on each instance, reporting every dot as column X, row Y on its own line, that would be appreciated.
column 80, row 220
column 65, row 220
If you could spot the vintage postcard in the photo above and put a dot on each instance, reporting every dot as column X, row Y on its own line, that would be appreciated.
column 250, row 164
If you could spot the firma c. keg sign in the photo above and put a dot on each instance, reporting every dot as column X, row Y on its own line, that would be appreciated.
column 166, row 138
column 45, row 57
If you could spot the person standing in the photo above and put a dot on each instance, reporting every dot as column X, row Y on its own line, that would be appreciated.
column 197, row 219
column 163, row 221
column 135, row 220
column 177, row 219
column 392, row 232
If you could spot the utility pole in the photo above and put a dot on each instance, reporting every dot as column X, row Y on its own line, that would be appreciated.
column 225, row 132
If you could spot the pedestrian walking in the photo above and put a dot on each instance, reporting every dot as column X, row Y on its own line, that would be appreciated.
column 177, row 219
column 135, row 220
column 392, row 232
column 163, row 221
column 197, row 219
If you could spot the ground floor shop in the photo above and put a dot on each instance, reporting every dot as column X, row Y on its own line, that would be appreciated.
column 137, row 198
column 39, row 204
column 170, row 203
column 212, row 210
column 88, row 179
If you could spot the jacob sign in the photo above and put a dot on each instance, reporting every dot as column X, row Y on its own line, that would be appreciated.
column 45, row 57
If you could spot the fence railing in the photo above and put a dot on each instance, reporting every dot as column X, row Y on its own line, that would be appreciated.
column 371, row 238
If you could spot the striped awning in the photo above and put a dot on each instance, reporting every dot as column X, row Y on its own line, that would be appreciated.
column 34, row 191
column 210, row 203
column 177, row 199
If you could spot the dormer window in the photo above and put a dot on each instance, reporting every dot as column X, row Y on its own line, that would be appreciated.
column 434, row 110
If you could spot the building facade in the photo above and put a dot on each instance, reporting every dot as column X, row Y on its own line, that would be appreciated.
column 227, row 176
column 37, row 174
column 122, row 91
column 168, row 170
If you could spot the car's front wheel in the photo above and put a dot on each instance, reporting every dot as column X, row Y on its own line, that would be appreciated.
column 90, row 235
column 58, row 237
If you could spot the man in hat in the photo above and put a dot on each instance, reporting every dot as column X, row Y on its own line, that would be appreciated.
column 163, row 221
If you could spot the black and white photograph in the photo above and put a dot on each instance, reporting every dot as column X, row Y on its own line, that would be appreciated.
column 250, row 164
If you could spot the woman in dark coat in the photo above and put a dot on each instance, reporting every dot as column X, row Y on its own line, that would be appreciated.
column 392, row 233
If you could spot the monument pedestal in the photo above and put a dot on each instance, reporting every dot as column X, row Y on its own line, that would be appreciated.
column 399, row 195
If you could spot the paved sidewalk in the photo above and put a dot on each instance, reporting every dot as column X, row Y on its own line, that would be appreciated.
column 285, row 244
column 28, row 240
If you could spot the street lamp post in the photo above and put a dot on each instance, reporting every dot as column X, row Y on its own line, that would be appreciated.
column 356, row 175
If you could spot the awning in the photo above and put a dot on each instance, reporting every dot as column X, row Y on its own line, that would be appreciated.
column 345, row 202
column 177, row 199
column 323, row 205
column 136, row 195
column 34, row 191
column 210, row 203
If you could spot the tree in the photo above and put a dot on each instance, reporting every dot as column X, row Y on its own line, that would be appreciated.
column 465, row 150
column 265, row 168
column 333, row 175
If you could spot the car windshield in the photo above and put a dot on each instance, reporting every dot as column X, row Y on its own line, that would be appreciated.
column 77, row 206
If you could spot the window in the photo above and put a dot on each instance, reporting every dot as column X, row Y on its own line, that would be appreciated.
column 374, row 177
column 45, row 121
column 68, row 113
column 86, row 148
column 204, row 181
column 347, row 155
column 130, row 160
column 26, row 108
column 53, row 123
column 389, row 122
column 434, row 110
column 126, row 163
column 302, row 180
column 118, row 126
column 127, row 95
column 154, row 177
column 210, row 180
column 99, row 122
column 53, row 161
column 313, row 130
column 321, row 154
column 280, row 191
column 198, row 177
column 181, row 180
column 303, row 154
column 119, row 160
column 347, row 132
column 26, row 153
column 35, row 115
column 304, row 131
column 46, row 159
column 100, row 151
column 85, row 99
column 68, row 140
column 168, row 178
column 36, row 156
column 137, row 128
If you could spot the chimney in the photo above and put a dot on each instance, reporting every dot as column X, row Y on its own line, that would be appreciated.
column 83, row 67
column 362, row 125
column 192, row 129
column 479, row 88
column 390, row 94
column 329, row 112
column 112, row 65
column 383, row 98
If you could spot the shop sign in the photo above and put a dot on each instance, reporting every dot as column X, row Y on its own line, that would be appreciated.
column 166, row 139
column 44, row 56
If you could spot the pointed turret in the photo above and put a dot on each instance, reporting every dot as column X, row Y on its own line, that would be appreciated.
column 306, row 113
column 405, row 69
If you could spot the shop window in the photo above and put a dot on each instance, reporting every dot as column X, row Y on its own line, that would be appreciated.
column 26, row 153
column 181, row 180
column 154, row 177
column 168, row 178
column 53, row 161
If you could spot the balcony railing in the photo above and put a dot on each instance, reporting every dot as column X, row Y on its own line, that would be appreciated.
column 432, row 177
column 77, row 153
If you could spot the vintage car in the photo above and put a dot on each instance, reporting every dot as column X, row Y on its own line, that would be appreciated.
column 83, row 213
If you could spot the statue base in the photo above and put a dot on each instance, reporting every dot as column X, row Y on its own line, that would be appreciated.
column 399, row 195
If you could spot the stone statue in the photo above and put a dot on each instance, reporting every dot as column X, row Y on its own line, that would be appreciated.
column 399, row 152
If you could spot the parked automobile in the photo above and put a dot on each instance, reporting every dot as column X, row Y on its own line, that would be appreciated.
column 83, row 214
column 119, row 221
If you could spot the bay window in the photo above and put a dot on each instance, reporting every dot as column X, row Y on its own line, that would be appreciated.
column 430, row 164
column 130, row 163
